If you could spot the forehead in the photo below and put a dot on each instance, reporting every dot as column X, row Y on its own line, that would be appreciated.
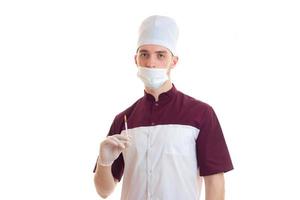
column 151, row 48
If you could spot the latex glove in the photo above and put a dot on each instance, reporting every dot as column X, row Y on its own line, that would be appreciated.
column 112, row 147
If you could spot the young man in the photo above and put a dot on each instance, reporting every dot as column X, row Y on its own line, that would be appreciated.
column 166, row 142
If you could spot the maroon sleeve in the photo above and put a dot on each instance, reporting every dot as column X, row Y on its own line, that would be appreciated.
column 117, row 167
column 212, row 152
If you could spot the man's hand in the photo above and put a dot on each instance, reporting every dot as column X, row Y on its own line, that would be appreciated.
column 111, row 148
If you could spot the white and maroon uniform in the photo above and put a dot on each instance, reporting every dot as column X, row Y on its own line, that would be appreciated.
column 175, row 141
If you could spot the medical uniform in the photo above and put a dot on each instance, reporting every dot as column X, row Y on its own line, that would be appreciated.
column 175, row 141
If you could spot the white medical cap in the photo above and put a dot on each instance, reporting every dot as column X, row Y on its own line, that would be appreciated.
column 159, row 30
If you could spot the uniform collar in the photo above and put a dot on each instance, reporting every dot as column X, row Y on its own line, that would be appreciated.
column 163, row 97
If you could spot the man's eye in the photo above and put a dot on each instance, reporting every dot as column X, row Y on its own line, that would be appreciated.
column 161, row 55
column 143, row 55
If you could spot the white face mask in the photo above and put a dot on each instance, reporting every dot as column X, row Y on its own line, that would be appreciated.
column 153, row 77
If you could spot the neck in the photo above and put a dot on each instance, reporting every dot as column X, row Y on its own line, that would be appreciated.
column 156, row 92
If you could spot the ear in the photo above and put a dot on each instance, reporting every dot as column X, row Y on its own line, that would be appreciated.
column 135, row 56
column 174, row 61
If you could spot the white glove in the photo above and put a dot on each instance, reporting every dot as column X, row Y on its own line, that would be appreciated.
column 111, row 148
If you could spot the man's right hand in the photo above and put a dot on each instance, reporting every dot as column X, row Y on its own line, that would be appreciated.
column 111, row 148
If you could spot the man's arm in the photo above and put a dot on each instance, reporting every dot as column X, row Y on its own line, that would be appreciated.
column 104, row 181
column 110, row 149
column 214, row 187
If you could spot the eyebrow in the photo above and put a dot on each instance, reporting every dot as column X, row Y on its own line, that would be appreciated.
column 146, row 51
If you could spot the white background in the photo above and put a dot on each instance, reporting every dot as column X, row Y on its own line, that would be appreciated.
column 67, row 68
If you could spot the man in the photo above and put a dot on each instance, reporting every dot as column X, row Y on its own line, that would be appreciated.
column 172, row 140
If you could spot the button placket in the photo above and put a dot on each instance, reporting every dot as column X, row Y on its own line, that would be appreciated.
column 149, row 165
column 154, row 108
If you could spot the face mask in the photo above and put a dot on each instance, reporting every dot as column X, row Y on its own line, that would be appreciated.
column 153, row 77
